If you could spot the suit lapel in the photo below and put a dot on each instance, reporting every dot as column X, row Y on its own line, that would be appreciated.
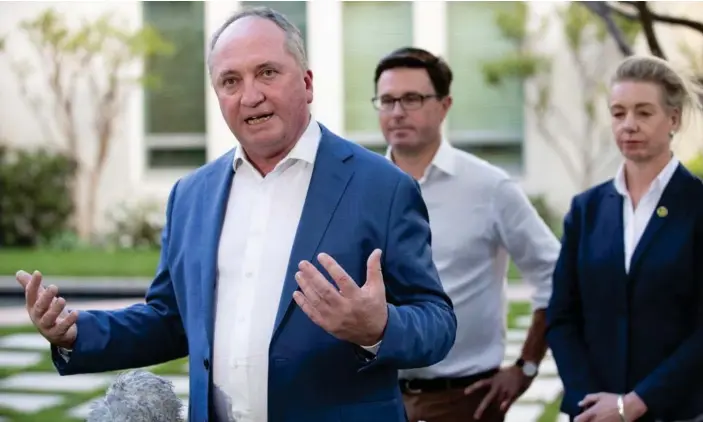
column 674, row 203
column 613, row 214
column 330, row 177
column 213, row 200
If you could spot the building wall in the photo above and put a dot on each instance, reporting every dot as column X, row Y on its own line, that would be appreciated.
column 344, row 40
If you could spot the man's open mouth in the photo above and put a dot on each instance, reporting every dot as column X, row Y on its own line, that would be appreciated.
column 259, row 119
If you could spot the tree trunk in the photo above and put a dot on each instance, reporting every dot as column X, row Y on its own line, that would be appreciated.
column 93, row 188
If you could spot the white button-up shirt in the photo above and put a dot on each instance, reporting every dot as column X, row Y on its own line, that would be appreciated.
column 479, row 217
column 257, row 237
column 635, row 220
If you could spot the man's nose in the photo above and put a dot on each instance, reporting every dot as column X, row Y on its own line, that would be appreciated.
column 397, row 110
column 251, row 95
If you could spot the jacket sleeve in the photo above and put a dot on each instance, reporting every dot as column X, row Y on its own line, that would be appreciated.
column 682, row 370
column 421, row 326
column 565, row 320
column 137, row 336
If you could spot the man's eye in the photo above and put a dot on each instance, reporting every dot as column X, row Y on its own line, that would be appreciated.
column 411, row 99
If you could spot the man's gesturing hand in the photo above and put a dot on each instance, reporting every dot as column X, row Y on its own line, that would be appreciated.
column 47, row 311
column 352, row 313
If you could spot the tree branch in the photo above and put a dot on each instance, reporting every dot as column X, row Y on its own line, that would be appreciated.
column 603, row 11
column 567, row 160
column 21, row 73
column 672, row 20
column 647, row 22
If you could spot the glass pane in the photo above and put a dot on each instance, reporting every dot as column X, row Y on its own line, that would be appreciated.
column 473, row 38
column 507, row 157
column 169, row 158
column 371, row 30
column 295, row 11
column 379, row 149
column 177, row 104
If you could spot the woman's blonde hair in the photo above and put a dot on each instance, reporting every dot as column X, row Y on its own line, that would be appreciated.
column 679, row 91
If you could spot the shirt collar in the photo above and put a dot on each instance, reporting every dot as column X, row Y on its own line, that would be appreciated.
column 304, row 150
column 442, row 160
column 659, row 182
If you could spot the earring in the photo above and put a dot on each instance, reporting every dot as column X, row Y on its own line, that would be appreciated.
column 671, row 134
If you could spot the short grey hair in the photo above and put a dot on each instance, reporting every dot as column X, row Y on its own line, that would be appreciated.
column 680, row 90
column 294, row 39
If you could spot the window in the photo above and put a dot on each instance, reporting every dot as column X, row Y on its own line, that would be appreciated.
column 295, row 11
column 377, row 148
column 483, row 118
column 175, row 107
column 371, row 30
column 506, row 156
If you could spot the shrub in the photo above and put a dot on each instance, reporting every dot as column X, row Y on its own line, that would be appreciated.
column 549, row 216
column 36, row 197
column 138, row 225
column 695, row 165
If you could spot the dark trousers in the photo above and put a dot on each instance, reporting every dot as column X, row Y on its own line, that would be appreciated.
column 450, row 406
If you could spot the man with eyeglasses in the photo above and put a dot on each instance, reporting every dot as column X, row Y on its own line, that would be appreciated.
column 479, row 218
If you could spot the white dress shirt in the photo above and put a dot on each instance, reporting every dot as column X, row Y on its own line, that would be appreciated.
column 479, row 217
column 635, row 220
column 257, row 237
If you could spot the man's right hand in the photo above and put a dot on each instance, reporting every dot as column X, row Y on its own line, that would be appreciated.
column 47, row 311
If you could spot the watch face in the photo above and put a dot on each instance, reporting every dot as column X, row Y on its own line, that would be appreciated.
column 529, row 369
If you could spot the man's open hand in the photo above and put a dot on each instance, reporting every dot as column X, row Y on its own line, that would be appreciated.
column 352, row 313
column 48, row 311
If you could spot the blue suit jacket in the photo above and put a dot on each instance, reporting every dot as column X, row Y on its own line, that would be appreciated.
column 615, row 332
column 357, row 201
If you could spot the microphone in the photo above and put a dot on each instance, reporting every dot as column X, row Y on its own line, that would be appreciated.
column 138, row 396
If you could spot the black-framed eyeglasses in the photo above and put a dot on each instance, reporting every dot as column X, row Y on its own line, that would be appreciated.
column 411, row 101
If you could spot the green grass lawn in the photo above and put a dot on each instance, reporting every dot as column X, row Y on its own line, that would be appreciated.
column 517, row 309
column 59, row 413
column 81, row 262
column 96, row 263
column 176, row 367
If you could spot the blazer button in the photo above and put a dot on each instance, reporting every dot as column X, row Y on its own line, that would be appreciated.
column 206, row 364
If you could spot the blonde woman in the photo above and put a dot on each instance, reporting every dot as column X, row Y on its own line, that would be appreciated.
column 625, row 321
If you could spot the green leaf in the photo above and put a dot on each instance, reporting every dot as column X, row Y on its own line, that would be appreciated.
column 517, row 65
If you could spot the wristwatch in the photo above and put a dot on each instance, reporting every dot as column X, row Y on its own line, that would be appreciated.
column 529, row 369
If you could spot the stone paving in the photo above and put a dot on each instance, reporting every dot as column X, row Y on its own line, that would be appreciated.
column 34, row 391
column 29, row 392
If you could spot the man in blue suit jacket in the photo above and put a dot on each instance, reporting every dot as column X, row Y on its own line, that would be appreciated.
column 251, row 233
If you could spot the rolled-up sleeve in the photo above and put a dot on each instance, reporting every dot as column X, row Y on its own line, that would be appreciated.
column 530, row 242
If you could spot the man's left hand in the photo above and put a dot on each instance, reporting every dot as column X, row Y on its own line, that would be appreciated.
column 352, row 313
column 505, row 387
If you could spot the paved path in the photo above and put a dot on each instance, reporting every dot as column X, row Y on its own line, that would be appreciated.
column 516, row 291
column 30, row 392
column 16, row 315
column 102, row 286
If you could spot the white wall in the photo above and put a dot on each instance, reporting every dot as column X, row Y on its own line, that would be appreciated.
column 689, row 142
column 18, row 123
column 125, row 177
column 546, row 172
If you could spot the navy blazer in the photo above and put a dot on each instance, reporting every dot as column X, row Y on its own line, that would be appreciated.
column 357, row 201
column 615, row 332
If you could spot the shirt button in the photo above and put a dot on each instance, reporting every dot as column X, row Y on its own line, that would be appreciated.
column 248, row 274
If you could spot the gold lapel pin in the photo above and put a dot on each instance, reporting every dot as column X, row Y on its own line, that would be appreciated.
column 662, row 211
